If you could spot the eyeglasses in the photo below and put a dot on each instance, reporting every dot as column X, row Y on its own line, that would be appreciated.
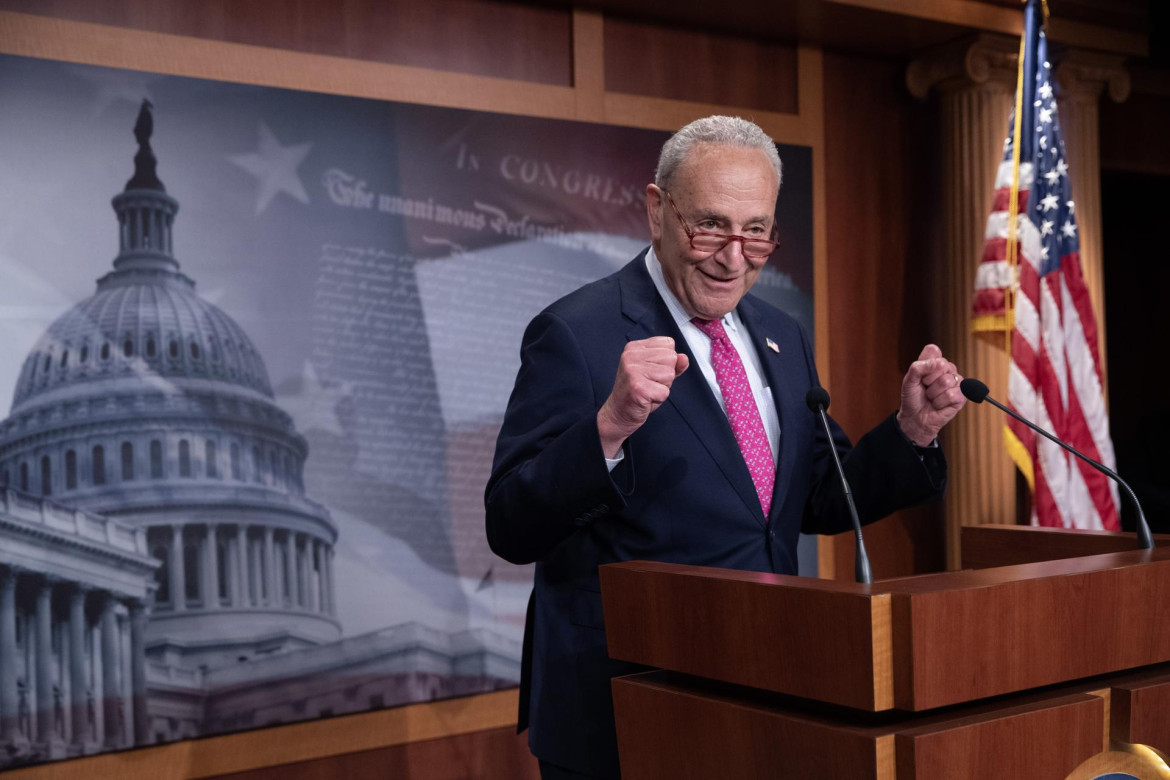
column 755, row 248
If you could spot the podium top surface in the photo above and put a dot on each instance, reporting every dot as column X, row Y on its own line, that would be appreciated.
column 910, row 644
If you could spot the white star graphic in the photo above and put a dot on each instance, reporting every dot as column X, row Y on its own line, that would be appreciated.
column 1045, row 116
column 1068, row 229
column 276, row 168
column 1062, row 166
column 1046, row 90
column 1043, row 143
column 1046, row 228
column 1049, row 202
column 1044, row 252
column 1072, row 207
column 1052, row 176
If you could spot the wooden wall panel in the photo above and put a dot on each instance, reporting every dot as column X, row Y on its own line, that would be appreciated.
column 503, row 40
column 645, row 59
column 1133, row 132
column 877, row 185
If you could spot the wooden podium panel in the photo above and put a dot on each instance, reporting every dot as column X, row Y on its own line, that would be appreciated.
column 713, row 733
column 1044, row 740
column 1141, row 712
column 985, row 546
column 969, row 635
column 765, row 631
column 911, row 644
column 669, row 730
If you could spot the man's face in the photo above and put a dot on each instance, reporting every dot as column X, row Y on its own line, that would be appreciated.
column 718, row 189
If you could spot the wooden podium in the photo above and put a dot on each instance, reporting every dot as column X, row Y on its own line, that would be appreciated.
column 1022, row 665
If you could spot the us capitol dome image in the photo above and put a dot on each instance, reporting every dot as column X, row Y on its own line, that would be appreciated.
column 162, row 572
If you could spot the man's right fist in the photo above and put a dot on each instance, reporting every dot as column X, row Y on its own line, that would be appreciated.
column 644, row 376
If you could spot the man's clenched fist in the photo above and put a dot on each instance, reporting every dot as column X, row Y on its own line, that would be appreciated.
column 644, row 376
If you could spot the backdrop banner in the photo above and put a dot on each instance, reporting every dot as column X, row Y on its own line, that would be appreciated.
column 254, row 405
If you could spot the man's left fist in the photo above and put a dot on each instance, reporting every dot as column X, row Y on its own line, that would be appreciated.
column 930, row 396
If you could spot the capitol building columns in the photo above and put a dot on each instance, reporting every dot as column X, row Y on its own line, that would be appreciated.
column 238, row 553
column 78, row 687
column 44, row 661
column 72, row 653
column 9, row 717
column 237, row 565
column 138, row 672
column 177, row 562
column 111, row 701
column 209, row 578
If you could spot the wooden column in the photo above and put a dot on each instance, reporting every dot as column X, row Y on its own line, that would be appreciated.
column 1080, row 78
column 975, row 85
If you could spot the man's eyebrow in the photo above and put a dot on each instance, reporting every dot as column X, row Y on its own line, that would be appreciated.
column 708, row 214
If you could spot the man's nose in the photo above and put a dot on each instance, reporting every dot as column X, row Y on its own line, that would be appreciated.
column 732, row 254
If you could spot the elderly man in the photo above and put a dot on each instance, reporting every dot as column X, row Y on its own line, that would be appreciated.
column 659, row 414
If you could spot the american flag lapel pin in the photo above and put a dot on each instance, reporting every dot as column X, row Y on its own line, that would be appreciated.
column 772, row 345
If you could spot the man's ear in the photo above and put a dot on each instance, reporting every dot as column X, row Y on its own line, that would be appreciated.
column 654, row 211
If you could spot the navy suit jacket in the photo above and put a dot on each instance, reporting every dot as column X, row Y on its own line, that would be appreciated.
column 683, row 494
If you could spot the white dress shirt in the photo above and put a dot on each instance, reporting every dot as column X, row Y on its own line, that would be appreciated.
column 700, row 346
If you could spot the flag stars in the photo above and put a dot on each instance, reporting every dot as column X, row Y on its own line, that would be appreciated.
column 1043, row 252
column 275, row 168
column 1046, row 227
column 1062, row 166
column 1043, row 143
column 1045, row 116
column 1072, row 207
column 1050, row 202
column 1069, row 229
column 1053, row 176
column 1045, row 91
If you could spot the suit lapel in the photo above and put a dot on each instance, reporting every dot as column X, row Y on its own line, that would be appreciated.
column 777, row 383
column 689, row 395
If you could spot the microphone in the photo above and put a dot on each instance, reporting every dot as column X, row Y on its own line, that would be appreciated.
column 977, row 392
column 817, row 400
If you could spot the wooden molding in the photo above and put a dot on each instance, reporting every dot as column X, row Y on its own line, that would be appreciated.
column 980, row 59
column 305, row 741
column 1010, row 21
column 1084, row 75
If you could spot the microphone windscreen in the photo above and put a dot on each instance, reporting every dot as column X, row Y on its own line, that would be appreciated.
column 817, row 398
column 975, row 390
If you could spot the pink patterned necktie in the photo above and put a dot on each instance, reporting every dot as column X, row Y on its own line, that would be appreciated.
column 742, row 412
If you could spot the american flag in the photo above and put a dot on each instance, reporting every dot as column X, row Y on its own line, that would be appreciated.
column 1030, row 283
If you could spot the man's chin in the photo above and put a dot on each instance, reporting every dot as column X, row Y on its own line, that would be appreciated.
column 715, row 310
column 712, row 307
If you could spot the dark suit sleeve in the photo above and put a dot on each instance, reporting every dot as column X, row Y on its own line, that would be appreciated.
column 549, row 476
column 885, row 471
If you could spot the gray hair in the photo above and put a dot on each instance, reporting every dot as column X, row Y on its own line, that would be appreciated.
column 719, row 131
